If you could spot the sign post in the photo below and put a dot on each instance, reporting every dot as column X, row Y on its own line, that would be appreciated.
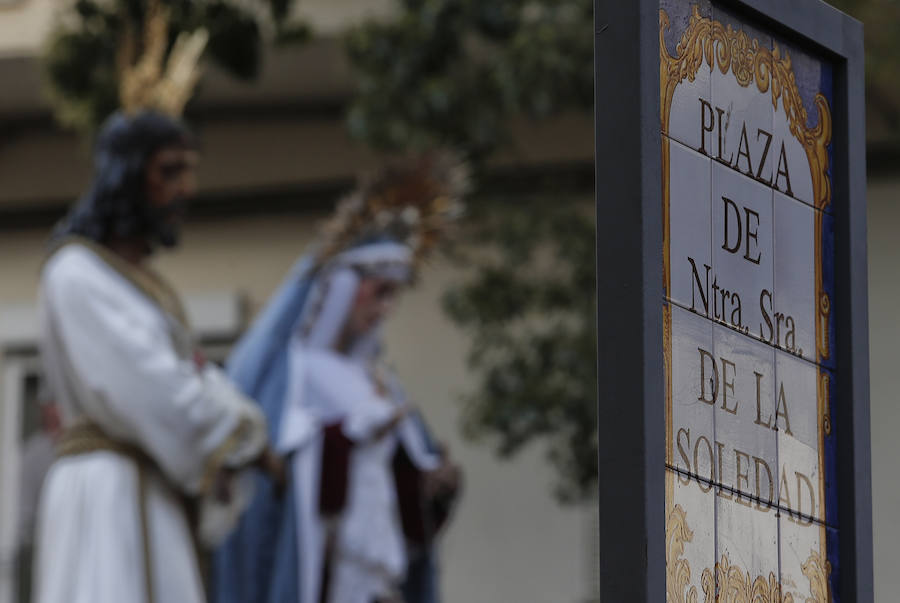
column 733, row 349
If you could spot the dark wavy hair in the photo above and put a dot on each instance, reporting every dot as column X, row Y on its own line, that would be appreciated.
column 115, row 205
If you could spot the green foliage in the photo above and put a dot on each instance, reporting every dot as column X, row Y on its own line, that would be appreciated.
column 450, row 72
column 234, row 39
column 531, row 311
column 80, row 58
column 79, row 67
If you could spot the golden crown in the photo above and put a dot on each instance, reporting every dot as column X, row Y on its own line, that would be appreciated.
column 414, row 201
column 151, row 81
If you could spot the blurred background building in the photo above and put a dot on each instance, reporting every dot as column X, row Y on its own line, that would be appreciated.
column 276, row 155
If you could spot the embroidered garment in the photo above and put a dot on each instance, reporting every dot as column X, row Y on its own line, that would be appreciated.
column 337, row 536
column 114, row 526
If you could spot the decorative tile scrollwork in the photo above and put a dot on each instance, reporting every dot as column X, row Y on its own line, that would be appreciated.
column 727, row 49
column 707, row 43
column 678, row 570
column 727, row 582
column 719, row 46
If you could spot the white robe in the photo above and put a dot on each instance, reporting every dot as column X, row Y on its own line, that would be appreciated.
column 114, row 357
column 370, row 551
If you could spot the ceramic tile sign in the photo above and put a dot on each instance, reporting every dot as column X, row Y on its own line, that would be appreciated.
column 748, row 269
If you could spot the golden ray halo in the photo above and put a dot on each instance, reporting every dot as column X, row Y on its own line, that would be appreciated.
column 151, row 80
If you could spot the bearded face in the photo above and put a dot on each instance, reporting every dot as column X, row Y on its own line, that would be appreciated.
column 170, row 183
column 144, row 168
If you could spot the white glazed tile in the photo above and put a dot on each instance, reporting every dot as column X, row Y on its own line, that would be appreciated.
column 800, row 544
column 743, row 249
column 744, row 120
column 746, row 446
column 811, row 77
column 798, row 418
column 679, row 13
column 743, row 113
column 747, row 540
column 799, row 411
column 800, row 489
column 693, row 93
column 693, row 508
column 791, row 173
column 731, row 19
column 791, row 310
column 692, row 418
column 689, row 223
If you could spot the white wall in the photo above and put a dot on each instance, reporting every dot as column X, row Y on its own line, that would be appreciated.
column 884, row 339
column 23, row 25
column 510, row 541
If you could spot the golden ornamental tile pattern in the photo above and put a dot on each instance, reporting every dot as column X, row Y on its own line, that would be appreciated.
column 708, row 42
column 727, row 582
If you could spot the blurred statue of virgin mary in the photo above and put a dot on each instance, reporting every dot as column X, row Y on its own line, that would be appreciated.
column 369, row 487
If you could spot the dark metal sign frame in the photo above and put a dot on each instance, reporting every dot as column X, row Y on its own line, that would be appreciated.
column 629, row 281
